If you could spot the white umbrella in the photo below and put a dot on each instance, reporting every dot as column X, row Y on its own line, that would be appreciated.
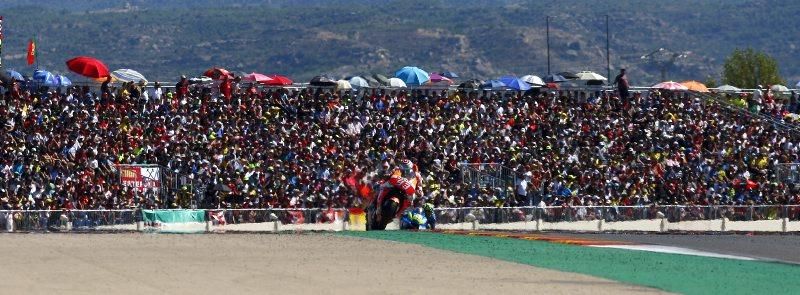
column 397, row 83
column 728, row 88
column 797, row 85
column 589, row 75
column 779, row 88
column 358, row 82
column 128, row 75
column 343, row 85
column 533, row 80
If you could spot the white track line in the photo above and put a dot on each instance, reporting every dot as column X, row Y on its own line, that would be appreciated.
column 673, row 250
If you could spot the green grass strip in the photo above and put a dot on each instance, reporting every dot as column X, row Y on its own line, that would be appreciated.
column 671, row 272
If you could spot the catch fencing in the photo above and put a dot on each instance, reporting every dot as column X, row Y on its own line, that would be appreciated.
column 335, row 219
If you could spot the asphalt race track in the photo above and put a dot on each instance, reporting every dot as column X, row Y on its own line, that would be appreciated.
column 769, row 247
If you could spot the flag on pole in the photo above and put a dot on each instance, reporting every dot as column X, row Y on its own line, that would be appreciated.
column 31, row 52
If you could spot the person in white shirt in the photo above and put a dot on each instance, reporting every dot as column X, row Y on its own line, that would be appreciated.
column 156, row 92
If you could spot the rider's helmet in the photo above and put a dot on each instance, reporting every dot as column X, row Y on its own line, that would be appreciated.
column 407, row 167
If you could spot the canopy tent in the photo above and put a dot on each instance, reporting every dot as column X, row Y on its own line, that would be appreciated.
column 88, row 67
column 412, row 76
column 128, row 75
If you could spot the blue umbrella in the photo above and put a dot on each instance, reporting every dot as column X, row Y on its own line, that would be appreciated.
column 493, row 84
column 44, row 77
column 412, row 76
column 515, row 83
column 16, row 75
column 449, row 74
column 63, row 81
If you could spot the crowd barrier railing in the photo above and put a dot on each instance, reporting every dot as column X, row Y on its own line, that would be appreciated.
column 663, row 218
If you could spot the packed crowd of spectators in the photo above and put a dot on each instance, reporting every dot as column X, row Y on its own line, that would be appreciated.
column 249, row 147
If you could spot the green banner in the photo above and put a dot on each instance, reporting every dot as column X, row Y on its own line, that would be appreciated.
column 173, row 216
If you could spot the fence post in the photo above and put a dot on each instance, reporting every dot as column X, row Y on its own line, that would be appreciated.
column 207, row 214
column 785, row 224
column 140, row 220
column 10, row 221
column 600, row 225
column 663, row 227
column 275, row 226
column 724, row 226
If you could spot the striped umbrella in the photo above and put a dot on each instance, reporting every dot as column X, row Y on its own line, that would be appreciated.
column 670, row 85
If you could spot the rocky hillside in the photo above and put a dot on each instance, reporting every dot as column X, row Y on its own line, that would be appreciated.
column 164, row 39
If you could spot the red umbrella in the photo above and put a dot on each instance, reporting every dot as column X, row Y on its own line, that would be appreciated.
column 88, row 67
column 217, row 73
column 278, row 80
column 256, row 77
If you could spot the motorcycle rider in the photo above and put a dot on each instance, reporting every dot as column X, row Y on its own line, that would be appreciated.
column 406, row 177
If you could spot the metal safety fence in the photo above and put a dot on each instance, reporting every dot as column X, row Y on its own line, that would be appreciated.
column 127, row 219
column 672, row 213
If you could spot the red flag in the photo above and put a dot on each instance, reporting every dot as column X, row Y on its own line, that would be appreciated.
column 31, row 52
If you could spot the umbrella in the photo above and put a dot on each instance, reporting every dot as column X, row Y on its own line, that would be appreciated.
column 552, row 85
column 728, row 88
column 44, row 77
column 15, row 75
column 396, row 82
column 471, row 84
column 256, row 78
column 381, row 79
column 670, row 85
column 217, row 73
column 569, row 75
column 587, row 75
column 797, row 85
column 88, row 67
column 5, row 79
column 200, row 80
column 62, row 81
column 370, row 80
column 412, row 75
column 278, row 80
column 322, row 80
column 779, row 88
column 343, row 85
column 239, row 74
column 695, row 86
column 434, row 77
column 554, row 78
column 493, row 84
column 128, row 75
column 533, row 80
column 449, row 74
column 358, row 82
column 515, row 83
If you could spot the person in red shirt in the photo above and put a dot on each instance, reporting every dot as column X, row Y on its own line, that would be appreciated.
column 225, row 87
column 182, row 88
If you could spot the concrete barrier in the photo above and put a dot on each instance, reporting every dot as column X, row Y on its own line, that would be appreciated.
column 649, row 225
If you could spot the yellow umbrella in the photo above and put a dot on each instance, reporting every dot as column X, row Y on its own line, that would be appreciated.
column 695, row 86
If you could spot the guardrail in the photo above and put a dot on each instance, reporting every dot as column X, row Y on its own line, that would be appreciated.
column 784, row 218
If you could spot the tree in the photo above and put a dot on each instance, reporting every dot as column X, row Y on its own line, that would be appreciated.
column 747, row 68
